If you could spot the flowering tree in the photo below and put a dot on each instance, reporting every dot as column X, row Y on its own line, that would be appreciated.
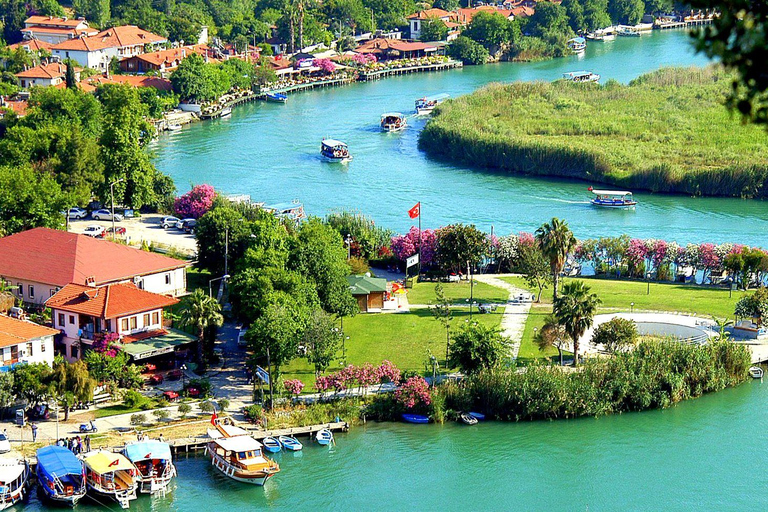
column 326, row 65
column 404, row 246
column 195, row 203
column 507, row 251
column 294, row 386
column 414, row 394
column 106, row 344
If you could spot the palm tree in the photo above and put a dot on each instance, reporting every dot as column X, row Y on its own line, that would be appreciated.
column 574, row 309
column 552, row 334
column 200, row 313
column 555, row 240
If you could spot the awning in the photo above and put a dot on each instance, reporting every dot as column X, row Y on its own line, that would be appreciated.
column 107, row 462
column 147, row 450
column 158, row 345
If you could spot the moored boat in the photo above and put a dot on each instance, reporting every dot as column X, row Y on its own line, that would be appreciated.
column 226, row 112
column 393, row 122
column 110, row 475
column 577, row 44
column 468, row 419
column 335, row 151
column 427, row 104
column 324, row 437
column 60, row 475
column 14, row 481
column 276, row 97
column 174, row 127
column 581, row 76
column 239, row 456
column 271, row 444
column 415, row 418
column 620, row 199
column 756, row 372
column 477, row 415
column 154, row 465
column 290, row 443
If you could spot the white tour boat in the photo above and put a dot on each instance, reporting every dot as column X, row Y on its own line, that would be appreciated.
column 110, row 475
column 577, row 44
column 581, row 76
column 335, row 151
column 239, row 456
column 620, row 199
column 154, row 465
column 393, row 122
column 14, row 481
column 427, row 104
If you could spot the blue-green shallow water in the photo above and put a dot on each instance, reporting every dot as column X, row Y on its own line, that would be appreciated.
column 272, row 152
column 705, row 454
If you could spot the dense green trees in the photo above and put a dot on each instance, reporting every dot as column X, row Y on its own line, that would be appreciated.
column 71, row 383
column 574, row 309
column 475, row 347
column 494, row 31
column 628, row 12
column 616, row 335
column 460, row 245
column 468, row 51
column 433, row 29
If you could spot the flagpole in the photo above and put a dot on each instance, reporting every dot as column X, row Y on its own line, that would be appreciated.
column 419, row 267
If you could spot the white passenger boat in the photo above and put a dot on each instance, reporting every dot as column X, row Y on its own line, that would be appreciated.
column 110, row 475
column 602, row 34
column 393, row 122
column 427, row 104
column 154, row 465
column 620, row 199
column 577, row 44
column 239, row 456
column 581, row 76
column 14, row 481
column 335, row 151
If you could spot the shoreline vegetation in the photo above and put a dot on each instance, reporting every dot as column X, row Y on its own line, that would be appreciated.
column 667, row 131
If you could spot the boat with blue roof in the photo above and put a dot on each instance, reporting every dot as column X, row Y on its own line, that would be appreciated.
column 154, row 464
column 60, row 475
column 335, row 151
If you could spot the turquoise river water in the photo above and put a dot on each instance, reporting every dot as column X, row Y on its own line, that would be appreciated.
column 272, row 153
column 705, row 455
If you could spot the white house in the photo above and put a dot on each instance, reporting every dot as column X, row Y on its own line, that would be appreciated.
column 24, row 342
column 83, row 313
column 130, row 40
column 55, row 30
column 89, row 52
column 44, row 75
column 416, row 20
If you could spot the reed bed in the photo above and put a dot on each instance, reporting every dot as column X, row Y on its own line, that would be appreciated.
column 667, row 131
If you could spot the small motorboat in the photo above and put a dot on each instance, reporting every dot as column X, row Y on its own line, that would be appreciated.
column 415, row 418
column 324, row 437
column 290, row 443
column 393, row 122
column 276, row 97
column 577, row 45
column 468, row 419
column 174, row 127
column 427, row 104
column 335, row 151
column 477, row 415
column 61, row 475
column 226, row 112
column 14, row 481
column 756, row 372
column 581, row 76
column 271, row 444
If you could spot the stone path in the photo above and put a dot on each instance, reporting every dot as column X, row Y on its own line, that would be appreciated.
column 515, row 311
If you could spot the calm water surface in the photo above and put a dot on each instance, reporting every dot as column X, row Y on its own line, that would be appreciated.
column 272, row 153
column 706, row 454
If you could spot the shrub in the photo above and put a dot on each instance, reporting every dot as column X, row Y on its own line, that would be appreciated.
column 138, row 419
column 135, row 400
column 207, row 406
column 160, row 414
column 468, row 51
column 475, row 347
column 616, row 335
column 358, row 266
column 184, row 409
column 223, row 404
column 414, row 394
column 195, row 203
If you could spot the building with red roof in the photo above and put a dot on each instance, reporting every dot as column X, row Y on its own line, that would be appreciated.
column 161, row 61
column 387, row 49
column 55, row 30
column 45, row 75
column 23, row 342
column 130, row 40
column 91, row 83
column 41, row 261
column 417, row 20
column 17, row 106
column 31, row 45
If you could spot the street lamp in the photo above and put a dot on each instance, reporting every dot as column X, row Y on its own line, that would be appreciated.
column 648, row 281
column 112, row 195
column 348, row 242
column 224, row 277
column 631, row 307
column 183, row 376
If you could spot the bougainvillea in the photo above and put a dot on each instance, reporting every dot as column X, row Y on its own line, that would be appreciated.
column 404, row 246
column 326, row 65
column 414, row 393
column 294, row 386
column 107, row 344
column 195, row 203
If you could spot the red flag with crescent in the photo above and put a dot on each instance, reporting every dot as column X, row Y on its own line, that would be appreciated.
column 213, row 418
column 415, row 211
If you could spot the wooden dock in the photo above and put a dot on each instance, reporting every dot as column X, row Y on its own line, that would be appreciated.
column 333, row 82
column 682, row 24
column 366, row 76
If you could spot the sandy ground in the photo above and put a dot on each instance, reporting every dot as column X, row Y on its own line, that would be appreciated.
column 146, row 228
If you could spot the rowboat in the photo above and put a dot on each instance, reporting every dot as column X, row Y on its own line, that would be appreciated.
column 14, row 481
column 477, row 415
column 110, row 475
column 415, row 418
column 154, row 464
column 620, row 199
column 468, row 419
column 581, row 76
column 324, row 437
column 393, row 122
column 276, row 97
column 756, row 372
column 61, row 475
column 238, row 456
column 427, row 104
column 271, row 444
column 290, row 443
column 335, row 151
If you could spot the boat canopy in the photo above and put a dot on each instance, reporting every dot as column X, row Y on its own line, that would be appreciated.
column 392, row 114
column 611, row 192
column 107, row 462
column 333, row 143
column 573, row 74
column 578, row 40
column 11, row 469
column 238, row 443
column 148, row 450
column 57, row 462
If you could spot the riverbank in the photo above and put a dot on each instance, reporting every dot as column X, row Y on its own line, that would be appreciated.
column 666, row 131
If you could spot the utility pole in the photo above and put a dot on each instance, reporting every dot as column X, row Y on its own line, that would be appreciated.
column 112, row 195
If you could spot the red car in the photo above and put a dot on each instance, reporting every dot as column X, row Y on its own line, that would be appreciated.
column 156, row 379
column 174, row 375
column 193, row 392
column 118, row 230
column 149, row 368
column 171, row 396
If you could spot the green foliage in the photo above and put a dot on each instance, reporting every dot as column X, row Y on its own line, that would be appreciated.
column 532, row 262
column 30, row 382
column 184, row 409
column 29, row 199
column 204, row 385
column 135, row 400
column 96, row 11
column 753, row 306
column 616, row 335
column 223, row 404
column 655, row 375
column 160, row 414
column 475, row 347
column 7, row 396
column 459, row 245
column 574, row 309
column 322, row 340
column 138, row 419
column 72, row 382
column 628, row 12
column 493, row 31
column 201, row 312
column 116, row 369
column 368, row 238
column 467, row 51
column 195, row 80
column 278, row 330
column 552, row 335
column 433, row 29
column 555, row 241
column 207, row 407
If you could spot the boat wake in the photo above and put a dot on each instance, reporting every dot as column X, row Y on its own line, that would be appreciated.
column 558, row 200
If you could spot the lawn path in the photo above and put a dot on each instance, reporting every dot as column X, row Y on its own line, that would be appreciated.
column 515, row 312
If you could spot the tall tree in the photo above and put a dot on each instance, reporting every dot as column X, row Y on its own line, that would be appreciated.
column 70, row 78
column 628, row 12
column 596, row 14
column 534, row 265
column 476, row 347
column 494, row 31
column 29, row 199
column 552, row 334
column 322, row 340
column 278, row 330
column 459, row 245
column 575, row 15
column 575, row 309
column 30, row 382
column 555, row 240
column 201, row 312
column 71, row 383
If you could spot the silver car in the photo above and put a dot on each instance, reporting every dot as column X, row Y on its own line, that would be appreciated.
column 105, row 214
column 77, row 213
column 168, row 222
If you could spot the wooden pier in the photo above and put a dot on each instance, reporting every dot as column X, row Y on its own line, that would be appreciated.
column 366, row 76
column 682, row 24
column 333, row 82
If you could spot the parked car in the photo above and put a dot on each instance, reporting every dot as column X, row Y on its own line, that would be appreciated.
column 94, row 231
column 174, row 375
column 171, row 396
column 193, row 392
column 156, row 379
column 183, row 222
column 190, row 225
column 118, row 230
column 5, row 444
column 77, row 213
column 105, row 214
column 168, row 222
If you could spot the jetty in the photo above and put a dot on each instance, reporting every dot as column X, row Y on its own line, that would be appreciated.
column 366, row 76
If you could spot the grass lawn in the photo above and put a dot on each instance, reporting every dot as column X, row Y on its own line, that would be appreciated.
column 403, row 338
column 528, row 349
column 113, row 410
column 424, row 293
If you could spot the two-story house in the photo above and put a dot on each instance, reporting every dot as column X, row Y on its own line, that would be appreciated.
column 130, row 40
column 89, row 52
column 55, row 30
column 23, row 342
column 45, row 75
column 82, row 313
column 41, row 261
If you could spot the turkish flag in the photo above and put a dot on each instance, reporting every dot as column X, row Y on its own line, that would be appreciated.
column 415, row 211
column 213, row 418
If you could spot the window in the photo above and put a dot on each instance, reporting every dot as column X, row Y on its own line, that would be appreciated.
column 73, row 351
column 31, row 292
column 124, row 324
column 29, row 349
column 133, row 322
column 168, row 278
column 146, row 320
column 42, row 345
column 71, row 319
column 155, row 317
column 20, row 289
column 54, row 291
column 61, row 319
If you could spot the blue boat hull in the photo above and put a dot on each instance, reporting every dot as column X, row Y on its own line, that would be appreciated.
column 478, row 416
column 415, row 418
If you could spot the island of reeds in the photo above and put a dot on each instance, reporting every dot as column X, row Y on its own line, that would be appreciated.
column 667, row 131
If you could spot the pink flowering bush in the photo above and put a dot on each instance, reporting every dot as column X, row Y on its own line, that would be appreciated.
column 404, row 246
column 195, row 203
column 107, row 344
column 326, row 65
column 414, row 394
column 294, row 386
column 526, row 239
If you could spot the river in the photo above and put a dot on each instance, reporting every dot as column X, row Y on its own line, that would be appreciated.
column 271, row 152
column 704, row 454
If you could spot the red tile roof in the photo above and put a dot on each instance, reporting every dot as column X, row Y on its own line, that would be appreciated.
column 129, row 35
column 429, row 13
column 73, row 32
column 32, row 45
column 381, row 45
column 13, row 331
column 50, row 256
column 110, row 301
column 140, row 336
column 85, row 44
column 522, row 11
column 465, row 15
column 49, row 71
column 91, row 83
column 54, row 22
column 17, row 106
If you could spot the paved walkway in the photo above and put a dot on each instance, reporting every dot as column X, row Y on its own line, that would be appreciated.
column 515, row 310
